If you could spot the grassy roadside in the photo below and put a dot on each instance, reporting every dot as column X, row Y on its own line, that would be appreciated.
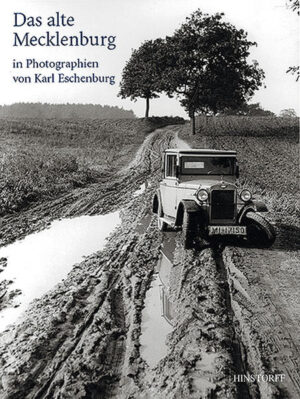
column 42, row 159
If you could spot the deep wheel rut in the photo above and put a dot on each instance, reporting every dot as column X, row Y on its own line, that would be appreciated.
column 83, row 338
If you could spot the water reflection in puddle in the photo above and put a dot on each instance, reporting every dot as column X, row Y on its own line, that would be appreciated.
column 39, row 261
column 164, row 271
column 157, row 315
column 164, row 268
column 154, row 327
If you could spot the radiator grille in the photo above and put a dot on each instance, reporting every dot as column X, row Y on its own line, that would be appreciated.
column 222, row 204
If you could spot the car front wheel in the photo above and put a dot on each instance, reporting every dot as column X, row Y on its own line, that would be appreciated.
column 189, row 229
column 259, row 231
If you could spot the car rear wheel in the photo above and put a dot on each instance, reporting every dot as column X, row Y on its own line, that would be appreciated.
column 259, row 231
column 162, row 226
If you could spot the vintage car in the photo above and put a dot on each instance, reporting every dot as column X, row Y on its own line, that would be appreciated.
column 199, row 193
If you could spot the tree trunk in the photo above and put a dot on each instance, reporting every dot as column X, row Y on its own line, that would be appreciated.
column 147, row 107
column 193, row 122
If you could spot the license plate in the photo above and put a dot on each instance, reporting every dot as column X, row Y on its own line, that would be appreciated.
column 227, row 230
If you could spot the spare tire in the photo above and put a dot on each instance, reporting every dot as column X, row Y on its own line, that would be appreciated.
column 259, row 231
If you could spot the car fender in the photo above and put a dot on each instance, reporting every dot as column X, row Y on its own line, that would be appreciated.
column 252, row 206
column 186, row 205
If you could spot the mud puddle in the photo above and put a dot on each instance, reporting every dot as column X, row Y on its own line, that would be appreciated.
column 141, row 190
column 41, row 260
column 157, row 316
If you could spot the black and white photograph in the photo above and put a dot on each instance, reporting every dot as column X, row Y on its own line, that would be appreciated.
column 149, row 199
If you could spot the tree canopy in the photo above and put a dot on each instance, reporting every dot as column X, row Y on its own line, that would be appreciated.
column 294, row 5
column 141, row 77
column 207, row 65
column 204, row 63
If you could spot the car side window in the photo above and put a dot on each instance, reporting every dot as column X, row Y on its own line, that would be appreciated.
column 171, row 166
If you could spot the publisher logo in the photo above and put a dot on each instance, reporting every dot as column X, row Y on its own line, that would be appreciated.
column 259, row 377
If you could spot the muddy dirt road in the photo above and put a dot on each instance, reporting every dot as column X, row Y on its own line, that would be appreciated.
column 231, row 311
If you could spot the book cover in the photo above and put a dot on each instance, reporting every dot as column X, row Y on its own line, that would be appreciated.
column 149, row 201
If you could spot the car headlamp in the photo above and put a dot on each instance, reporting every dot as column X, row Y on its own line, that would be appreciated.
column 246, row 195
column 202, row 195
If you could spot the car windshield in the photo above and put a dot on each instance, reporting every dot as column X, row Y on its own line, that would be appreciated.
column 206, row 165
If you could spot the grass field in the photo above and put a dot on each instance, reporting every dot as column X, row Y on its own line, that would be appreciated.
column 41, row 159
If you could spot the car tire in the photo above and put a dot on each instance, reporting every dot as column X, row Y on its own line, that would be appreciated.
column 162, row 226
column 189, row 229
column 259, row 231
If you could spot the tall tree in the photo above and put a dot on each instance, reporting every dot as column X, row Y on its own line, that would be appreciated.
column 206, row 65
column 141, row 76
column 294, row 5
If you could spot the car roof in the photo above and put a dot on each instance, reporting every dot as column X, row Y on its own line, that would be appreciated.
column 199, row 151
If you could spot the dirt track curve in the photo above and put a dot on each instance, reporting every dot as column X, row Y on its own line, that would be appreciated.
column 236, row 309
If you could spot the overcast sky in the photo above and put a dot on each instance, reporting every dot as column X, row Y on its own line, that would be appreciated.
column 268, row 22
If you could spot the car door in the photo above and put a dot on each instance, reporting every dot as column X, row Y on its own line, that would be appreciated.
column 168, row 187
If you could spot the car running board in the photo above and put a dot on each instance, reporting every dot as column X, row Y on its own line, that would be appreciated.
column 169, row 220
